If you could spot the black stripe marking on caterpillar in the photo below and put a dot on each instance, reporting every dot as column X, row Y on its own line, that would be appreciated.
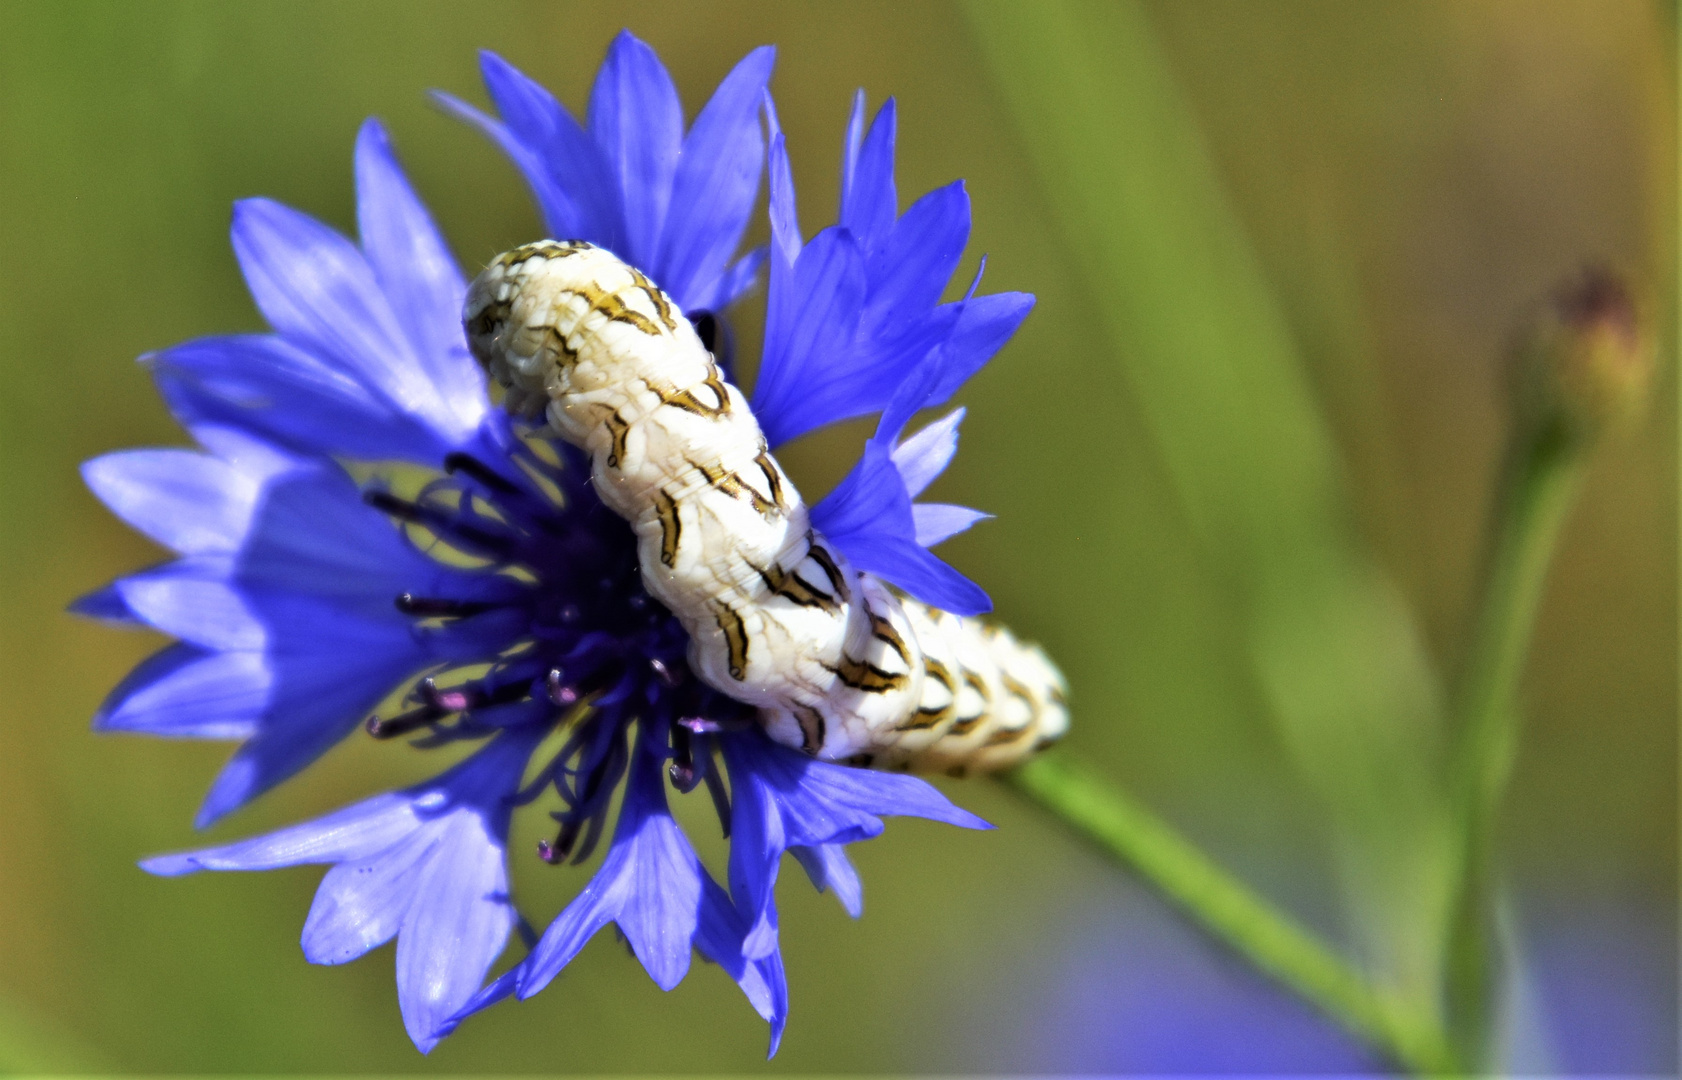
column 838, row 664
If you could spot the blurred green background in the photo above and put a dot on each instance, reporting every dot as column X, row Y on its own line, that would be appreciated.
column 1408, row 179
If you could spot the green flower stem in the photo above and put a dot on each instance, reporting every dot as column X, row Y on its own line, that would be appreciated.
column 1234, row 913
column 1537, row 491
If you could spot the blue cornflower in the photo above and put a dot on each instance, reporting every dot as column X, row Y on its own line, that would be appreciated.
column 494, row 598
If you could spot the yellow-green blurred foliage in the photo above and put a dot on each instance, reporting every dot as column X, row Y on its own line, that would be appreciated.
column 1412, row 177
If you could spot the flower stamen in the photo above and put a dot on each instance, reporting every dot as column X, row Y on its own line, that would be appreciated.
column 682, row 769
column 446, row 525
column 478, row 470
column 404, row 723
column 442, row 607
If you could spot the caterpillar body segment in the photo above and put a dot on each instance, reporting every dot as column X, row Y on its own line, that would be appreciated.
column 838, row 664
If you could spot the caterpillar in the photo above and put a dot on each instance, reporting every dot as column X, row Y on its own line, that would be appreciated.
column 837, row 664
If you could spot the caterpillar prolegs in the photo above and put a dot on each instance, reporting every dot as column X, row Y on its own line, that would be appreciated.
column 837, row 664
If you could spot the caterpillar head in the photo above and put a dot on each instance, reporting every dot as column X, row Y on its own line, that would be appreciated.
column 507, row 324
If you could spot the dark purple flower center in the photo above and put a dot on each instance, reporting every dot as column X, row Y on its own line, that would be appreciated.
column 593, row 653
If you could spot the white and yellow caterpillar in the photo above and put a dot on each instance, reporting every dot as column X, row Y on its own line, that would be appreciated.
column 837, row 664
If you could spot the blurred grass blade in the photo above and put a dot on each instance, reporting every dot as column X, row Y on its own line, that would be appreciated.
column 1208, row 355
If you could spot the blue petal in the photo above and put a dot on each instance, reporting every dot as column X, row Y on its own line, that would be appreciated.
column 926, row 454
column 304, row 611
column 912, row 393
column 329, row 673
column 356, row 832
column 559, row 212
column 425, row 865
column 820, row 802
column 939, row 522
column 820, row 366
column 770, row 972
column 781, row 799
column 984, row 324
column 785, row 216
column 909, row 271
column 316, row 724
column 919, row 572
column 757, row 840
column 498, row 989
column 850, row 145
column 290, row 396
column 636, row 120
column 661, row 914
column 649, row 884
column 664, row 902
column 448, row 943
column 864, row 379
column 308, row 531
column 869, row 202
column 313, row 534
column 249, row 453
column 828, row 867
column 106, row 604
column 417, row 274
column 190, row 502
column 737, row 280
column 442, row 884
column 319, row 292
column 569, row 156
column 714, row 189
column 719, row 935
column 361, row 902
column 799, row 373
column 184, row 692
column 195, row 600
column 316, row 289
column 869, row 517
column 898, row 324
